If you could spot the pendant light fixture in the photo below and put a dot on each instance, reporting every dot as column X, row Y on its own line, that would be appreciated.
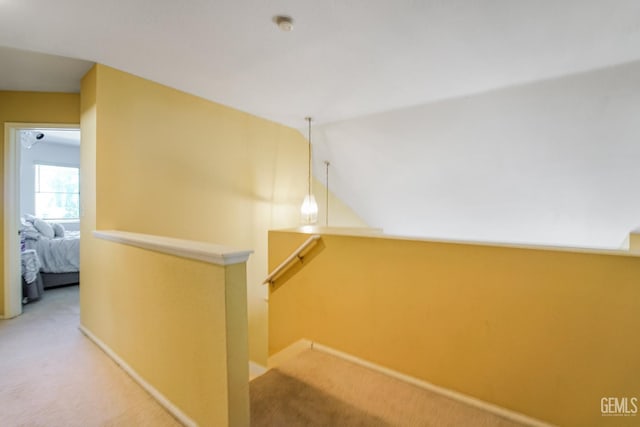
column 309, row 208
column 326, row 202
column 29, row 138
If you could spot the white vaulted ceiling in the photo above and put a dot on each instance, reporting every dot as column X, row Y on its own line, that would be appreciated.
column 343, row 59
column 404, row 94
column 32, row 71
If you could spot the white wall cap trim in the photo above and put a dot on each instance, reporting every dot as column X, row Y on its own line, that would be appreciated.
column 201, row 251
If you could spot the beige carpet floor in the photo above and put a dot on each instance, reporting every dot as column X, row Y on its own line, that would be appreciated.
column 52, row 375
column 318, row 389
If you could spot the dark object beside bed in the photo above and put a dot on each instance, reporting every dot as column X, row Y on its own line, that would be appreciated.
column 32, row 291
column 51, row 280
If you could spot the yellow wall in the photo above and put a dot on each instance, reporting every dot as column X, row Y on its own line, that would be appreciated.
column 165, row 316
column 32, row 107
column 542, row 332
column 180, row 324
column 173, row 164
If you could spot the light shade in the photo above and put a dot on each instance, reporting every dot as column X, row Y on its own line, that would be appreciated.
column 309, row 210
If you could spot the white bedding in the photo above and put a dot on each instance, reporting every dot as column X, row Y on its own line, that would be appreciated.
column 58, row 255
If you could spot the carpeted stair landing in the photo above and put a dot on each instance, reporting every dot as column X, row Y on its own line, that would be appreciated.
column 318, row 389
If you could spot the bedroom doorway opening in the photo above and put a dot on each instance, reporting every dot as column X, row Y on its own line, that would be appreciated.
column 32, row 152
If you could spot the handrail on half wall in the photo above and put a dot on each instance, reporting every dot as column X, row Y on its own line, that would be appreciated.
column 295, row 255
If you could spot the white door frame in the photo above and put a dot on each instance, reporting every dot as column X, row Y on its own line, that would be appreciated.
column 12, row 267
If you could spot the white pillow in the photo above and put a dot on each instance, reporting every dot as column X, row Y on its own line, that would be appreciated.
column 44, row 228
column 58, row 229
column 30, row 232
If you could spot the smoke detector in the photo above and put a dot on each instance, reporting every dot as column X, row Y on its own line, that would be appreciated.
column 285, row 23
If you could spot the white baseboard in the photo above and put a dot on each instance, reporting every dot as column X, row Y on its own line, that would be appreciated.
column 289, row 352
column 5, row 317
column 305, row 344
column 157, row 395
column 255, row 370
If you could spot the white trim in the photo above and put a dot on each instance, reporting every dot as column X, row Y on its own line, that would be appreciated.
column 201, row 251
column 335, row 231
column 289, row 352
column 378, row 234
column 255, row 370
column 157, row 395
column 12, row 282
column 305, row 344
column 469, row 400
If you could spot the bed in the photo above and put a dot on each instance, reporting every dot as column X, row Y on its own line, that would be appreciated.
column 58, row 250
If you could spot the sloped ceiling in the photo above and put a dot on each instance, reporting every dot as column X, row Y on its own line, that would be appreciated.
column 394, row 90
column 32, row 71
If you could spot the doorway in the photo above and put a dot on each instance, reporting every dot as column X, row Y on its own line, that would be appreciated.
column 12, row 194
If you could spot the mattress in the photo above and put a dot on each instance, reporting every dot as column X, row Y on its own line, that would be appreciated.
column 58, row 255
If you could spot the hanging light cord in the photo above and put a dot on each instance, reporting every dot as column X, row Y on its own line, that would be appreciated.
column 309, row 187
column 326, row 220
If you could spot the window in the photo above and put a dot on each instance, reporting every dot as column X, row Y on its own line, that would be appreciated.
column 57, row 192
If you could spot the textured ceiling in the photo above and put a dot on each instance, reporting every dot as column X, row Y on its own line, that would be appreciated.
column 353, row 65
